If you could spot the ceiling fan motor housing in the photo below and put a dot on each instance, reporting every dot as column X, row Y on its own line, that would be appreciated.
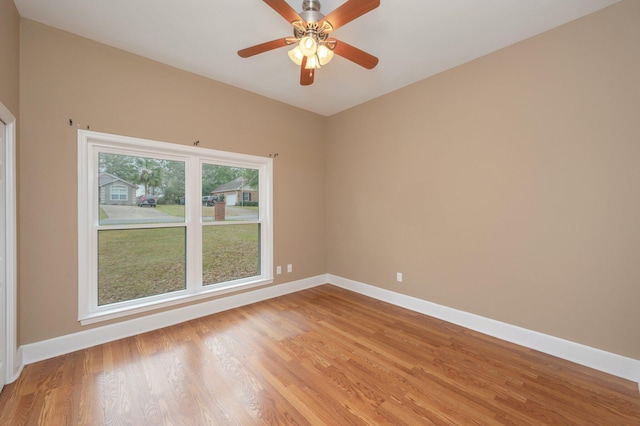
column 311, row 11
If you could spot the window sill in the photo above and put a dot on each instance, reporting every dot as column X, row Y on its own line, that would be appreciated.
column 181, row 298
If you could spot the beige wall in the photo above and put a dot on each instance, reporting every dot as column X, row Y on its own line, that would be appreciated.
column 9, row 56
column 64, row 76
column 507, row 187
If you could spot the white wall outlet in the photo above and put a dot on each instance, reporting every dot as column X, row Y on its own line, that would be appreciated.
column 278, row 269
column 399, row 277
column 289, row 268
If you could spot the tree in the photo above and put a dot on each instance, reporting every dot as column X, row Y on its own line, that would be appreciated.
column 214, row 175
column 149, row 173
column 122, row 166
column 250, row 177
column 173, row 186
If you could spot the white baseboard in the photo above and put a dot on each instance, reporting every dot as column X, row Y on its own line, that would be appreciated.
column 607, row 362
column 17, row 364
column 38, row 351
column 617, row 365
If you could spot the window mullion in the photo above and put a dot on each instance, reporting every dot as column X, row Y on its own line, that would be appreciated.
column 192, row 219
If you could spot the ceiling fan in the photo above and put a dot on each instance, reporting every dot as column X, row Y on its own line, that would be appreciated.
column 311, row 29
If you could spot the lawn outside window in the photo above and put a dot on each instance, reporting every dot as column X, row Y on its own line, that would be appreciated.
column 134, row 258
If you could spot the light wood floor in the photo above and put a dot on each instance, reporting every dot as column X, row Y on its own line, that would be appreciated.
column 320, row 356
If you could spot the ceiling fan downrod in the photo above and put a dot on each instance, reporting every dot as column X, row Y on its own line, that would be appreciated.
column 311, row 11
column 311, row 19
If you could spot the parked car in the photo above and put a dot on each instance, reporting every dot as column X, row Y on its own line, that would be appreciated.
column 147, row 200
column 211, row 200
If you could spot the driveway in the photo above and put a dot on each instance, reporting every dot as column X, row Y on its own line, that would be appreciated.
column 133, row 214
column 119, row 215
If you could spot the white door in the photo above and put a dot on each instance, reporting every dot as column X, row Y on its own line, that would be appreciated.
column 3, row 265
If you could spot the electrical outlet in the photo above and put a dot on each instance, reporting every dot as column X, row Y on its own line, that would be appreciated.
column 289, row 268
column 399, row 277
column 278, row 269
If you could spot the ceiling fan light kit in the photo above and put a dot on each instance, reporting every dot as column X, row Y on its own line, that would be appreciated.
column 296, row 55
column 308, row 46
column 311, row 29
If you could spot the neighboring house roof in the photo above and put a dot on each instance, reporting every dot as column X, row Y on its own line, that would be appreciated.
column 235, row 185
column 107, row 178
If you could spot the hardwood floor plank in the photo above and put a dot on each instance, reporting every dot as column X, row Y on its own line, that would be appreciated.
column 322, row 356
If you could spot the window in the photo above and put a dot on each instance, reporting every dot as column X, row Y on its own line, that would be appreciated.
column 168, row 247
column 118, row 193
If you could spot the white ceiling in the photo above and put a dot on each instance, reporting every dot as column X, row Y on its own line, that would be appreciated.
column 413, row 39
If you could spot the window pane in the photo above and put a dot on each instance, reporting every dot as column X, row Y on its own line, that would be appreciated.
column 230, row 252
column 135, row 189
column 135, row 263
column 229, row 193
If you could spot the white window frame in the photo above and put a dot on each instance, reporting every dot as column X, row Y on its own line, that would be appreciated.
column 121, row 189
column 90, row 144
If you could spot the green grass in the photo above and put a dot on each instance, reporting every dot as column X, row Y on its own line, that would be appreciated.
column 254, row 208
column 172, row 209
column 178, row 210
column 229, row 252
column 136, row 263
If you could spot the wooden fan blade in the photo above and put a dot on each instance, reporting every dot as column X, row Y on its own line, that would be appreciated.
column 284, row 10
column 263, row 47
column 349, row 11
column 354, row 54
column 306, row 76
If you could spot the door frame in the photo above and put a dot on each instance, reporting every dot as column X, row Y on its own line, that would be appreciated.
column 13, row 356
